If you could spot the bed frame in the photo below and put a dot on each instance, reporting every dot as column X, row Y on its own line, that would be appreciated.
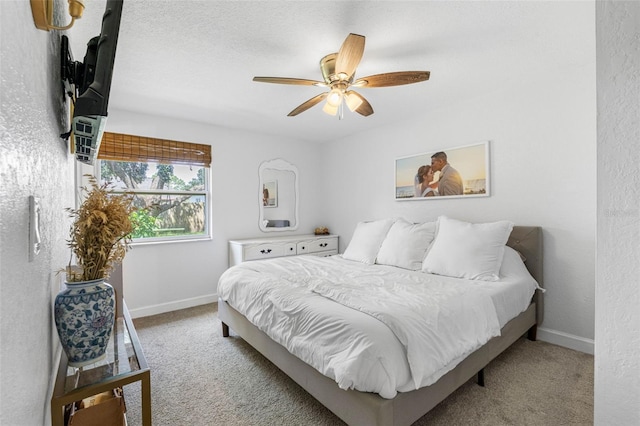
column 362, row 408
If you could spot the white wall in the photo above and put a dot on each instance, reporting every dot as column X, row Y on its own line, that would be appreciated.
column 163, row 277
column 542, row 160
column 617, row 326
column 33, row 161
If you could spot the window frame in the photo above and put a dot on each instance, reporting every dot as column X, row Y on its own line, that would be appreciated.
column 205, row 236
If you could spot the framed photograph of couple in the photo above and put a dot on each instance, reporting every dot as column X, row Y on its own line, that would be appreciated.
column 444, row 173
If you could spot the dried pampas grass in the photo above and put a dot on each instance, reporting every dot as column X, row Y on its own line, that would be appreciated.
column 100, row 233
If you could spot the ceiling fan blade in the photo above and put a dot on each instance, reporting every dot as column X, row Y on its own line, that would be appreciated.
column 285, row 80
column 392, row 79
column 365, row 107
column 308, row 104
column 349, row 55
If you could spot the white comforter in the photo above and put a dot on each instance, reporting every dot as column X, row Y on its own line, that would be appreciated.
column 372, row 328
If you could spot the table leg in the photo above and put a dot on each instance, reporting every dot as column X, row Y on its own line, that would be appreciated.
column 146, row 399
column 57, row 415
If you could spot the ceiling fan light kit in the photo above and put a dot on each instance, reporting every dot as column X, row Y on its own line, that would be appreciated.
column 338, row 70
column 353, row 100
column 335, row 97
column 330, row 109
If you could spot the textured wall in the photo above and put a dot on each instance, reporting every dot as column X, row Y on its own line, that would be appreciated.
column 33, row 161
column 617, row 357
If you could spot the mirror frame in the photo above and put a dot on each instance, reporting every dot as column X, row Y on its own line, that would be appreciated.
column 280, row 165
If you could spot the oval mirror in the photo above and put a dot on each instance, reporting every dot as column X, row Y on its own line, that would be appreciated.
column 278, row 196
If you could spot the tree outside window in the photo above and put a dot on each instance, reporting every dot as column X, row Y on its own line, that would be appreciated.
column 173, row 198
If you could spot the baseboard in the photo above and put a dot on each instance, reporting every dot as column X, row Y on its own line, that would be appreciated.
column 55, row 347
column 146, row 311
column 55, row 362
column 566, row 340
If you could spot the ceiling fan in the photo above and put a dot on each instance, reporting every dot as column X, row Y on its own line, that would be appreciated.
column 338, row 70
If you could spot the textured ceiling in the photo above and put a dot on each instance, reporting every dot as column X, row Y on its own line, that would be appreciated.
column 195, row 60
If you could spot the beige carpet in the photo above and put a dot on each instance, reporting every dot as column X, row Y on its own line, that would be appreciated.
column 200, row 378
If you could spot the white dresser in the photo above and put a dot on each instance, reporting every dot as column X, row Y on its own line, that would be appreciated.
column 265, row 248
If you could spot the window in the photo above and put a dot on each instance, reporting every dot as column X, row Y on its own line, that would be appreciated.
column 169, row 180
column 173, row 198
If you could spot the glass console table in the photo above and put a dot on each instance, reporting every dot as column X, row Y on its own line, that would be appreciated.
column 124, row 363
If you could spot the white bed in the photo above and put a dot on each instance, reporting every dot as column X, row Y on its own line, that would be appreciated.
column 353, row 333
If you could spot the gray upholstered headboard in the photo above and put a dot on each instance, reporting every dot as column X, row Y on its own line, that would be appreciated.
column 528, row 241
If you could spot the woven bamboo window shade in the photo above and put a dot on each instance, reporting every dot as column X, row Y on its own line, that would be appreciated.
column 121, row 147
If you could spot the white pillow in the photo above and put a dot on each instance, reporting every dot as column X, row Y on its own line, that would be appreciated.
column 468, row 250
column 513, row 266
column 406, row 244
column 366, row 240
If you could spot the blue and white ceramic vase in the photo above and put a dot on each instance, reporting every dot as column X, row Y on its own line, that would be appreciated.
column 84, row 314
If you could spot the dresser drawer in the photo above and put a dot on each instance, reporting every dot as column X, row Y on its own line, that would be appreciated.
column 290, row 249
column 263, row 251
column 324, row 253
column 302, row 247
column 323, row 244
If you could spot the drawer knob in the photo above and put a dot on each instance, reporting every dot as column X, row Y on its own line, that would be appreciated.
column 324, row 244
column 267, row 251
